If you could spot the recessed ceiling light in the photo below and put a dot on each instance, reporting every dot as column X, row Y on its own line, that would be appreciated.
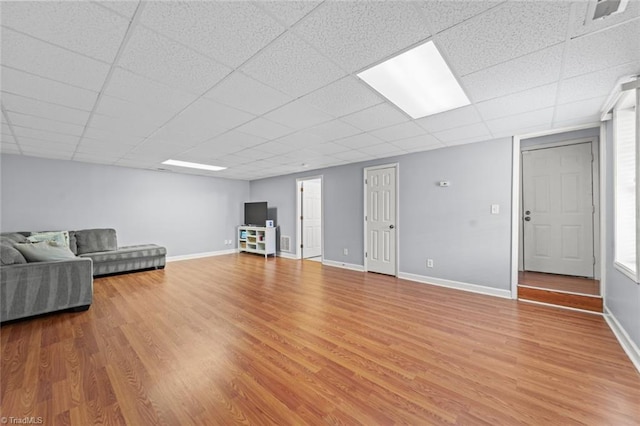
column 193, row 165
column 418, row 81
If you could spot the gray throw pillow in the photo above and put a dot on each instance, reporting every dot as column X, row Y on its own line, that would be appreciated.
column 9, row 255
column 96, row 240
column 44, row 251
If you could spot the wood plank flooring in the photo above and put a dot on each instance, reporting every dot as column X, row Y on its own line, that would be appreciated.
column 559, row 282
column 240, row 339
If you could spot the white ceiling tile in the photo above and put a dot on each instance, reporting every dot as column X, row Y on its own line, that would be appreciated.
column 383, row 115
column 359, row 141
column 382, row 150
column 40, row 58
column 32, row 122
column 292, row 66
column 108, row 150
column 92, row 158
column 506, row 32
column 202, row 120
column 125, row 8
column 237, row 140
column 56, row 154
column 335, row 129
column 42, row 135
column 594, row 84
column 301, row 140
column 399, row 131
column 287, row 11
column 517, row 103
column 28, row 85
column 582, row 24
column 7, row 138
column 472, row 131
column 240, row 30
column 609, row 48
column 298, row 115
column 254, row 155
column 343, row 97
column 418, row 143
column 533, row 70
column 353, row 156
column 50, row 144
column 135, row 126
column 9, row 148
column 521, row 123
column 329, row 148
column 80, row 26
column 358, row 34
column 585, row 108
column 231, row 160
column 164, row 60
column 43, row 109
column 265, row 128
column 247, row 94
column 443, row 14
column 143, row 91
column 110, row 136
column 449, row 119
column 274, row 148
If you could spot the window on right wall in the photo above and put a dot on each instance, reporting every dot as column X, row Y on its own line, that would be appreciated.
column 625, row 139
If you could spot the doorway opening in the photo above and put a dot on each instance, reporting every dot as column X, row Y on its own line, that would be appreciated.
column 559, row 220
column 309, row 229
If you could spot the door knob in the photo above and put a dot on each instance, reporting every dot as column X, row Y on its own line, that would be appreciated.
column 391, row 226
column 527, row 218
column 527, row 212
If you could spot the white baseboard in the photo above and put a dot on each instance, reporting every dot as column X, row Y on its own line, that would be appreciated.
column 350, row 266
column 623, row 337
column 287, row 255
column 473, row 288
column 200, row 255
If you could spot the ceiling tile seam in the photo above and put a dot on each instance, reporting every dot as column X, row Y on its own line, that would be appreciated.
column 276, row 18
column 631, row 62
column 563, row 58
column 605, row 29
column 41, row 117
column 127, row 36
column 40, row 100
column 11, row 129
column 484, row 12
column 47, row 78
column 102, row 61
column 121, row 15
column 47, row 130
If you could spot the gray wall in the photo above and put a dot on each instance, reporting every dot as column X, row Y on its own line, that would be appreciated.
column 188, row 214
column 622, row 295
column 451, row 225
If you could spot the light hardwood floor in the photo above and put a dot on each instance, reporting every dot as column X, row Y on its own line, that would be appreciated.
column 555, row 282
column 241, row 339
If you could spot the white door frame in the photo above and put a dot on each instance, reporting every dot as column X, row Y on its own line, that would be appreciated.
column 299, row 213
column 516, row 183
column 397, row 224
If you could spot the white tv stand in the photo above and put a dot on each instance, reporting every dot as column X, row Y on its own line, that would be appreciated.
column 257, row 239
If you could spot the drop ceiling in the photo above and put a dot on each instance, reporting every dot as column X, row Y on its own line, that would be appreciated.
column 268, row 88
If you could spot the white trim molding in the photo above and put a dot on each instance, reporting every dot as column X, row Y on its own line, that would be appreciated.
column 200, row 255
column 631, row 349
column 457, row 285
column 350, row 266
column 568, row 308
column 286, row 255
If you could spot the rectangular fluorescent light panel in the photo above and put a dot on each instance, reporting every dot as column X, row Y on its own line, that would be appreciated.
column 193, row 165
column 418, row 81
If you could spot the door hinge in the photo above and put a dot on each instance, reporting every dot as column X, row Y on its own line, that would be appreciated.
column 301, row 218
column 366, row 254
column 594, row 260
column 301, row 246
column 366, row 181
column 366, row 218
column 301, row 189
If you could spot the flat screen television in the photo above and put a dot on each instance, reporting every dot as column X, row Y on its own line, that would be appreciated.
column 255, row 213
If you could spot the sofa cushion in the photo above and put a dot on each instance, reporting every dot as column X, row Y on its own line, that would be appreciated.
column 129, row 252
column 73, row 244
column 61, row 238
column 96, row 240
column 16, row 237
column 44, row 251
column 9, row 255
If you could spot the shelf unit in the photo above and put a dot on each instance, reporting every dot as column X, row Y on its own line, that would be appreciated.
column 257, row 239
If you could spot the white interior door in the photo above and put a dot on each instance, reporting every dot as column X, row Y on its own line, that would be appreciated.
column 311, row 218
column 558, row 210
column 381, row 220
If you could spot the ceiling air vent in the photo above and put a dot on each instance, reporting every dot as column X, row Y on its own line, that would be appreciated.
column 600, row 9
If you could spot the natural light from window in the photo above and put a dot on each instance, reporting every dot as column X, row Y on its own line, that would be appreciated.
column 625, row 166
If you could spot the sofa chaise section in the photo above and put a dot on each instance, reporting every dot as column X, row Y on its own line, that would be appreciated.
column 29, row 289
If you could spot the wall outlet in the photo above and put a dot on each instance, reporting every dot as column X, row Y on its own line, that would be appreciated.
column 495, row 208
column 429, row 263
column 345, row 252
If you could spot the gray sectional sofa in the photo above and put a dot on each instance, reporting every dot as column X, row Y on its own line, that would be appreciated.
column 37, row 287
